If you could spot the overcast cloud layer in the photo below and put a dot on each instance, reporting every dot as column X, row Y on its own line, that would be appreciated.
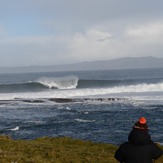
column 52, row 32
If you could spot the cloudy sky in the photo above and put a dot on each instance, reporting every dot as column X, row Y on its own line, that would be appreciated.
column 50, row 32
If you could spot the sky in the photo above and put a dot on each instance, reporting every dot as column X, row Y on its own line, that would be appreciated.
column 55, row 32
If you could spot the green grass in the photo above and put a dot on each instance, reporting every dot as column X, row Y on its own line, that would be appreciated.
column 56, row 150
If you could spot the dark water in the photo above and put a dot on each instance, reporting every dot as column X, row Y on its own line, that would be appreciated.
column 105, row 122
column 140, row 93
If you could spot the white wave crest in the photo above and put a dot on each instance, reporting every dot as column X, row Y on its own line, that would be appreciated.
column 68, row 82
column 84, row 120
column 138, row 88
column 15, row 129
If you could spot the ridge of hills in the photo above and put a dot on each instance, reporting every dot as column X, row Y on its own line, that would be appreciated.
column 120, row 63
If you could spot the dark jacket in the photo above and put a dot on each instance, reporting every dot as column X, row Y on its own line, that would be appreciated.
column 139, row 148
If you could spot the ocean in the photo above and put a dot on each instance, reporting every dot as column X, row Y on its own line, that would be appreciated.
column 101, row 106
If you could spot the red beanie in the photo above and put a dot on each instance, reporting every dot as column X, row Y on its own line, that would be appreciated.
column 142, row 120
column 141, row 124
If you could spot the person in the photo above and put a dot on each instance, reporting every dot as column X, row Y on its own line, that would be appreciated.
column 139, row 148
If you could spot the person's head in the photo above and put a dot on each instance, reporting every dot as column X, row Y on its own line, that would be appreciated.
column 141, row 124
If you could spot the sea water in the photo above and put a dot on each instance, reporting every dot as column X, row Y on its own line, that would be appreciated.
column 102, row 107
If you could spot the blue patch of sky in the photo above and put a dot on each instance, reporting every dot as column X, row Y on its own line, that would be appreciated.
column 25, row 27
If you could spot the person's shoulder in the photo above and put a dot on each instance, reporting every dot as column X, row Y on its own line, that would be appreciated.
column 125, row 144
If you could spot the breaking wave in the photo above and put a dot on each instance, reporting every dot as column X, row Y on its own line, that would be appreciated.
column 71, row 86
column 69, row 82
column 41, row 84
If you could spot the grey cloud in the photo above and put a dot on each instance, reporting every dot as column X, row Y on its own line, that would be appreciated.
column 89, row 12
column 68, row 31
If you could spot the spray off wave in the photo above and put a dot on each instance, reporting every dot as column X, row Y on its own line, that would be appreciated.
column 69, row 82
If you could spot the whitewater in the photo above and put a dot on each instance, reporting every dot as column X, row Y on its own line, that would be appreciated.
column 71, row 87
column 83, row 104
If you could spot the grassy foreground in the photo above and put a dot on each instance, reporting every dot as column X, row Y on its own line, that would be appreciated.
column 56, row 150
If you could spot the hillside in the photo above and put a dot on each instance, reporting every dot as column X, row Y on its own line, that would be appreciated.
column 120, row 63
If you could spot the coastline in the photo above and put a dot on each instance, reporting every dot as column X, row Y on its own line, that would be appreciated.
column 56, row 149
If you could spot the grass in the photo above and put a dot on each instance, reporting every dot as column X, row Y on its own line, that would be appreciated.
column 56, row 150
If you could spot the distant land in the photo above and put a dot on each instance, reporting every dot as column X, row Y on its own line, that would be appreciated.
column 120, row 63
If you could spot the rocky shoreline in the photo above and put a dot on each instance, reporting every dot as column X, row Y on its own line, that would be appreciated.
column 62, row 100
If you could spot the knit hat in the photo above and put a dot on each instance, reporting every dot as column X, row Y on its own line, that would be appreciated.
column 141, row 124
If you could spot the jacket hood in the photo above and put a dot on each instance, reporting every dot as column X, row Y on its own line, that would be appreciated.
column 139, row 137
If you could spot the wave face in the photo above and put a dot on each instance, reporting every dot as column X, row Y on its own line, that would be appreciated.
column 22, row 87
column 85, row 83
